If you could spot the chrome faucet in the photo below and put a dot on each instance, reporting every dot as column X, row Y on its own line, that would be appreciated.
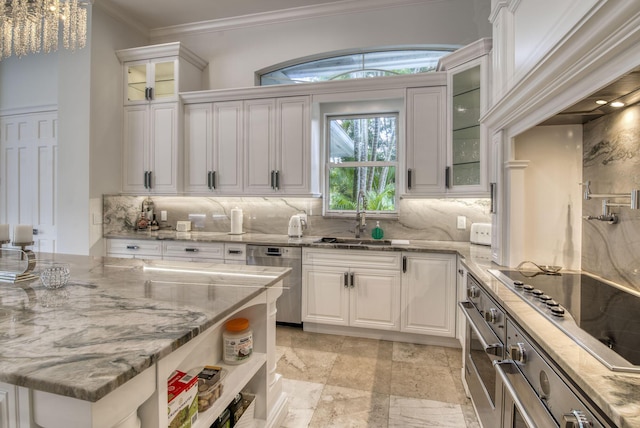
column 361, row 223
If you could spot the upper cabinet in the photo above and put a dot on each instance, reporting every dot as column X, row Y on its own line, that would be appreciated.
column 426, row 141
column 214, row 147
column 158, row 73
column 277, row 154
column 256, row 147
column 152, row 141
column 468, row 99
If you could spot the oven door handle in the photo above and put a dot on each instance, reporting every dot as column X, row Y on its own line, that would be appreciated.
column 493, row 348
column 535, row 414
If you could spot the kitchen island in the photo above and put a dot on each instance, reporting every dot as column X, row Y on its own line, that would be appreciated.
column 99, row 350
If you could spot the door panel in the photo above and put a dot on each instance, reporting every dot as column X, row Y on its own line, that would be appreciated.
column 375, row 299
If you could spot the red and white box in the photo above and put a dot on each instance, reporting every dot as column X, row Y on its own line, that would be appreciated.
column 182, row 392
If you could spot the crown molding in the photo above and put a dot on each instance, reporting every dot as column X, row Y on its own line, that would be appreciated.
column 602, row 47
column 286, row 15
column 387, row 85
column 113, row 11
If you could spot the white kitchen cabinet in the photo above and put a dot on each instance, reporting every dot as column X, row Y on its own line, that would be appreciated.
column 426, row 141
column 15, row 406
column 29, row 171
column 193, row 251
column 151, row 149
column 158, row 73
column 152, row 141
column 351, row 288
column 134, row 249
column 468, row 99
column 277, row 146
column 214, row 147
column 429, row 294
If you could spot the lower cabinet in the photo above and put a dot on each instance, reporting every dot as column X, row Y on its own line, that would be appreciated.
column 351, row 288
column 429, row 294
column 409, row 292
column 134, row 249
column 193, row 251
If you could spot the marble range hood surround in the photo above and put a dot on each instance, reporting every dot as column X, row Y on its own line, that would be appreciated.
column 611, row 161
column 429, row 219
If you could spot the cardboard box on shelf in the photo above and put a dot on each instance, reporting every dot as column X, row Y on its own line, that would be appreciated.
column 182, row 391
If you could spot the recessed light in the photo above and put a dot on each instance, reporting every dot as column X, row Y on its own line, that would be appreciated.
column 617, row 104
column 601, row 102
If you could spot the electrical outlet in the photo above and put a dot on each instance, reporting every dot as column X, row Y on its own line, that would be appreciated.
column 462, row 222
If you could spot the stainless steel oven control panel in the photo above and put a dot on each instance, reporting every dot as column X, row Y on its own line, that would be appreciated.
column 550, row 388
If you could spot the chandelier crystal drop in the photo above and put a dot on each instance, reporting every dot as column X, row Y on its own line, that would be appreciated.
column 31, row 26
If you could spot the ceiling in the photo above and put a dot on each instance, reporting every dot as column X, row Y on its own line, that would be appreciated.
column 165, row 13
column 625, row 89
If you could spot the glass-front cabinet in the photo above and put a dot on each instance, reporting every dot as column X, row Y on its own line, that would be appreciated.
column 467, row 149
column 151, row 80
column 157, row 73
column 465, row 128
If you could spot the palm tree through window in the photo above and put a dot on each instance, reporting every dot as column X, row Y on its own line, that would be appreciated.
column 362, row 156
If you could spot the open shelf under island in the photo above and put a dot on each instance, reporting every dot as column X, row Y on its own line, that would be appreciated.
column 98, row 351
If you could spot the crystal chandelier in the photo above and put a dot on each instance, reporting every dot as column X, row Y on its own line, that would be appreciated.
column 30, row 26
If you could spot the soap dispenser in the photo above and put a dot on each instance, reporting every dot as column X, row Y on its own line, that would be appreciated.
column 377, row 232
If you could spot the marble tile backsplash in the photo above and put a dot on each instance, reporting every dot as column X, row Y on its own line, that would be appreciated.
column 430, row 219
column 612, row 163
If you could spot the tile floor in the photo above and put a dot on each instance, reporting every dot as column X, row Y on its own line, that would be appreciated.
column 338, row 381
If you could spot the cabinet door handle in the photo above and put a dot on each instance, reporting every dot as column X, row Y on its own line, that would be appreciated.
column 353, row 283
column 461, row 271
column 149, row 180
column 409, row 178
column 447, row 178
column 213, row 179
column 209, row 179
column 277, row 186
column 191, row 250
column 273, row 179
column 404, row 264
column 492, row 189
column 150, row 94
column 146, row 93
column 132, row 247
column 235, row 251
column 346, row 280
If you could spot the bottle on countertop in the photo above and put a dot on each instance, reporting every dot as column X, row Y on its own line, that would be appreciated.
column 377, row 232
column 143, row 223
column 154, row 224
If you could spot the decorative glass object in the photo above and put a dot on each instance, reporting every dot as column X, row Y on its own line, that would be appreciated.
column 55, row 275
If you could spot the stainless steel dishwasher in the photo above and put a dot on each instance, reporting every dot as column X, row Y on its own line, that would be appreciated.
column 289, row 305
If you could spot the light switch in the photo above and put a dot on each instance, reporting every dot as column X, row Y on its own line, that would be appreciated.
column 462, row 222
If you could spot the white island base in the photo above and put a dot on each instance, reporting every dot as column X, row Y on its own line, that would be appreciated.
column 144, row 397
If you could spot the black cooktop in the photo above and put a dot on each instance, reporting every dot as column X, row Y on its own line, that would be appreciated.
column 608, row 314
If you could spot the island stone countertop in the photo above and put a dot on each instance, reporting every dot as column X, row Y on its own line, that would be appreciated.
column 114, row 319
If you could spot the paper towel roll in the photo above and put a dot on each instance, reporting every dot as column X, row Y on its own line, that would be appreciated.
column 236, row 221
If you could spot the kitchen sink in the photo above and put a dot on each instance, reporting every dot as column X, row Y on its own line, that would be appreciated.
column 353, row 241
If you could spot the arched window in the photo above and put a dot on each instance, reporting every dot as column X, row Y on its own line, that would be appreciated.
column 358, row 65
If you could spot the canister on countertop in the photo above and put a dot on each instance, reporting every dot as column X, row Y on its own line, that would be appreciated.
column 237, row 341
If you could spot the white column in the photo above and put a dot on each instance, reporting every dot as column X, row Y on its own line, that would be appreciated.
column 516, row 206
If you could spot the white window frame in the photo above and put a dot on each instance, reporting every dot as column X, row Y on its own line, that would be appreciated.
column 363, row 109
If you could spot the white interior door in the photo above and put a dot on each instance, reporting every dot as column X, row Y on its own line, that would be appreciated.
column 28, row 185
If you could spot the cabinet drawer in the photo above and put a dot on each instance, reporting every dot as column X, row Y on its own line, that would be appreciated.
column 352, row 258
column 193, row 250
column 133, row 248
column 237, row 252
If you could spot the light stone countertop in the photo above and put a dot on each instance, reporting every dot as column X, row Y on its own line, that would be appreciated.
column 616, row 393
column 114, row 319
